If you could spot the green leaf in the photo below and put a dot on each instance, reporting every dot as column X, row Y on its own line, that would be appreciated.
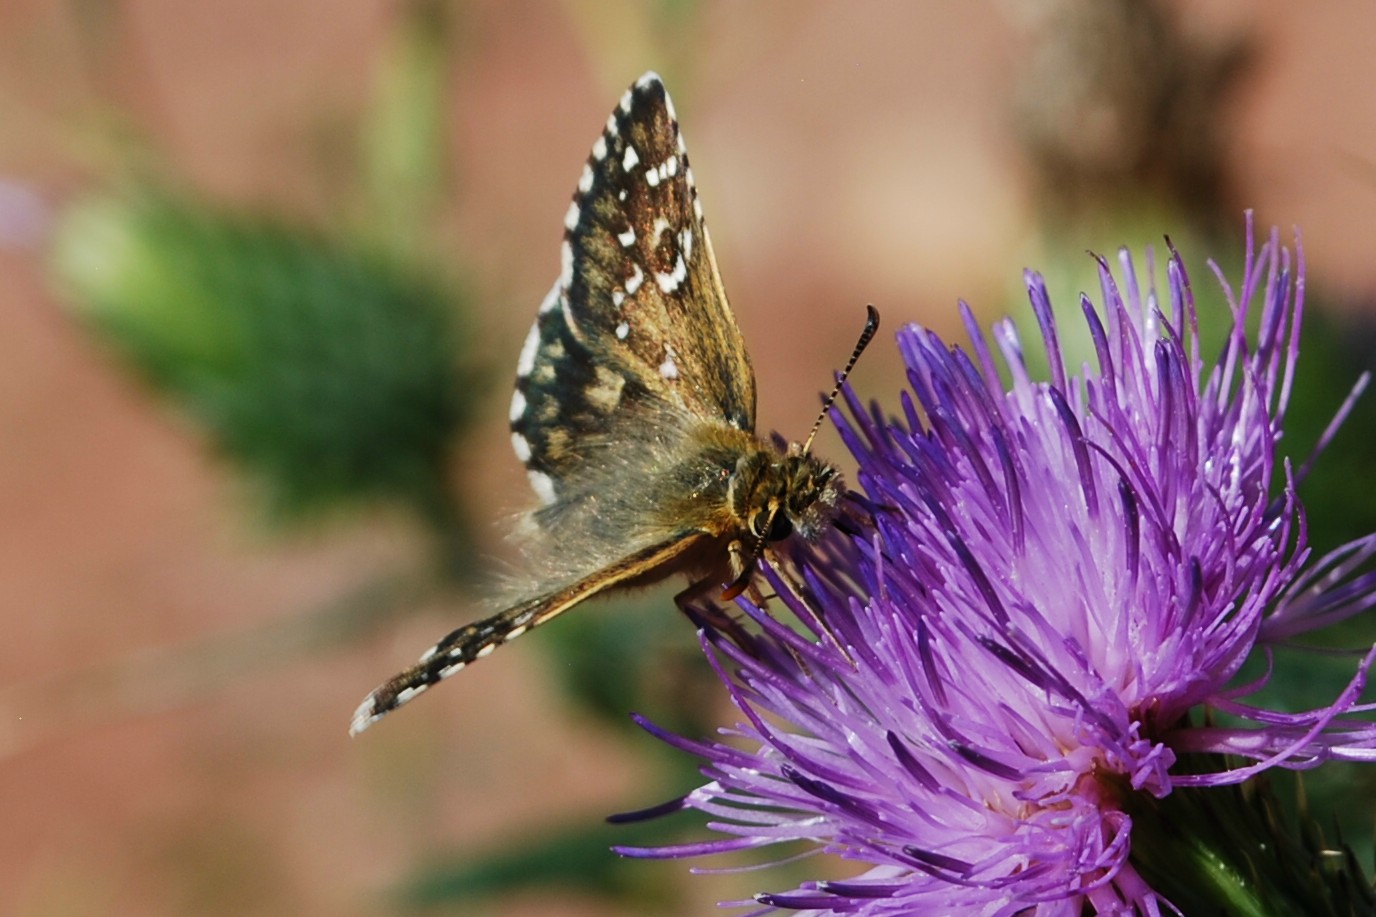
column 325, row 370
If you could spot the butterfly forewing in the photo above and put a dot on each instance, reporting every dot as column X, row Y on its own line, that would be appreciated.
column 638, row 318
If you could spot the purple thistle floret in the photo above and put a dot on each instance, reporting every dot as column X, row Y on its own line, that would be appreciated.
column 1057, row 574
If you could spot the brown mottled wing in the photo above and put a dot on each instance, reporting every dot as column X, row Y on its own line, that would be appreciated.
column 638, row 315
column 474, row 641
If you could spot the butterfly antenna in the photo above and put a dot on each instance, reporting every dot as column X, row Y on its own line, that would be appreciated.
column 867, row 335
column 737, row 586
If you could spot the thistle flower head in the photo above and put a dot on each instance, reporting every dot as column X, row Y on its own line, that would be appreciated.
column 1057, row 574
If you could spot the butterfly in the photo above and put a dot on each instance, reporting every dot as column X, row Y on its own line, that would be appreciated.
column 634, row 408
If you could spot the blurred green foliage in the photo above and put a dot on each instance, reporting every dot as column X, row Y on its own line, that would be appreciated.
column 1201, row 846
column 570, row 858
column 331, row 372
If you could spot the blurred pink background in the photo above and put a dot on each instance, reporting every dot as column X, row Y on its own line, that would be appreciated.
column 844, row 155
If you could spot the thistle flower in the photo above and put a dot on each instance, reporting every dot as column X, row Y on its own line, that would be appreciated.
column 1060, row 576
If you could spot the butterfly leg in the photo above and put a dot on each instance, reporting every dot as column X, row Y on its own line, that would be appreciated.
column 742, row 568
column 690, row 602
column 859, row 514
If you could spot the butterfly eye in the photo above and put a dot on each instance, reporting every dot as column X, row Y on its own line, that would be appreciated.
column 758, row 522
column 779, row 528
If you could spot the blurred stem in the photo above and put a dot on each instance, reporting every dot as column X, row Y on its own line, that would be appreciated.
column 403, row 141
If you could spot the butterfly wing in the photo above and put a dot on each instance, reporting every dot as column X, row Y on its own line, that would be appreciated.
column 474, row 641
column 638, row 321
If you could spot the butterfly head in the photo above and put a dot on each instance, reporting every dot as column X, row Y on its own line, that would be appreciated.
column 776, row 495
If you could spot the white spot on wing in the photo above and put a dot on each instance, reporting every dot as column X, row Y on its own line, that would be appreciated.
column 526, row 362
column 685, row 243
column 571, row 217
column 565, row 265
column 634, row 281
column 567, row 312
column 662, row 172
column 363, row 717
column 621, row 195
column 451, row 669
column 551, row 300
column 661, row 227
column 630, row 160
column 518, row 406
column 599, row 147
column 622, row 330
column 618, row 298
column 647, row 79
column 669, row 369
column 697, row 205
column 626, row 101
column 585, row 180
column 516, row 632
column 670, row 282
column 627, row 238
column 521, row 447
column 543, row 485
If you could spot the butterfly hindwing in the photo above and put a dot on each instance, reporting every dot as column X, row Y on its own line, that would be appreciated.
column 638, row 315
column 472, row 642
